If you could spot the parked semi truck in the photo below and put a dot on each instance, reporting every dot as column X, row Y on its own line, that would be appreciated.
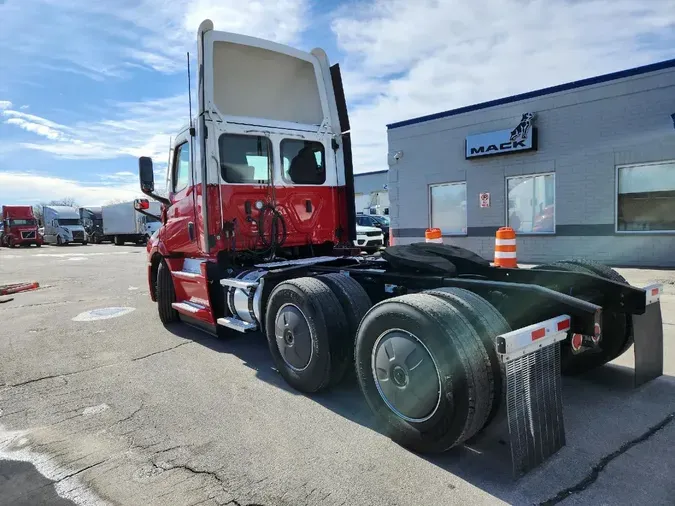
column 62, row 225
column 20, row 228
column 257, row 235
column 92, row 220
column 123, row 223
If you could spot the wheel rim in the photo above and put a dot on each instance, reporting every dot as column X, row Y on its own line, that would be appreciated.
column 406, row 375
column 294, row 338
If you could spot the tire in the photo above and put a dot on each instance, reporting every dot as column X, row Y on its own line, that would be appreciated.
column 443, row 412
column 306, row 308
column 166, row 295
column 489, row 323
column 355, row 303
column 614, row 331
column 84, row 243
column 59, row 241
column 118, row 241
column 38, row 244
column 609, row 273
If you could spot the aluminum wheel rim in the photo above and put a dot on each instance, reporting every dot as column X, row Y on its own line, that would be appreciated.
column 406, row 375
column 294, row 337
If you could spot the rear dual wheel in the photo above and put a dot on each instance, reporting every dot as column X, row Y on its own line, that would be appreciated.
column 616, row 328
column 427, row 366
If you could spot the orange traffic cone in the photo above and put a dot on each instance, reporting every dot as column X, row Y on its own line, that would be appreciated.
column 505, row 248
column 433, row 235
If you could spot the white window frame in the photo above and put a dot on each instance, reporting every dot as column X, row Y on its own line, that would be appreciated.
column 555, row 201
column 616, row 199
column 466, row 213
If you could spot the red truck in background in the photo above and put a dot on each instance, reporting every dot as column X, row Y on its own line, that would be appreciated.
column 20, row 228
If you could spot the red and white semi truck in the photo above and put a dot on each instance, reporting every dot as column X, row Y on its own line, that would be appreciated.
column 257, row 232
column 20, row 227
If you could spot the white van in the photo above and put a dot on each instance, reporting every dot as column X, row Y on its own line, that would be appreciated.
column 62, row 225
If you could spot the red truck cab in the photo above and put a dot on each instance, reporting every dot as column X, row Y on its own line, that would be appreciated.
column 20, row 227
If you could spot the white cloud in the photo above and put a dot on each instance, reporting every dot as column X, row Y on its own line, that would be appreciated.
column 103, row 39
column 406, row 59
column 34, row 188
column 132, row 129
column 5, row 104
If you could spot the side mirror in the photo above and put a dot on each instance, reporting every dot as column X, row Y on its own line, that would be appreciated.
column 147, row 178
column 146, row 175
column 141, row 204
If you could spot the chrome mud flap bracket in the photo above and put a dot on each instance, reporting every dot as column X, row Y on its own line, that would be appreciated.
column 531, row 359
column 648, row 337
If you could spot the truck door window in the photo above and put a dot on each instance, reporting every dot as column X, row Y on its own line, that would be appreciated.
column 245, row 158
column 304, row 161
column 181, row 170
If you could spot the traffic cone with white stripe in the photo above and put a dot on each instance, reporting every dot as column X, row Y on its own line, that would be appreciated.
column 505, row 248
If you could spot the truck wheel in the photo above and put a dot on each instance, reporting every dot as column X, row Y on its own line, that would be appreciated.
column 615, row 331
column 38, row 244
column 305, row 325
column 118, row 241
column 607, row 272
column 420, row 366
column 355, row 303
column 59, row 241
column 489, row 323
column 166, row 295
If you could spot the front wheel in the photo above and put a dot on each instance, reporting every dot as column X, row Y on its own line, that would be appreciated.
column 59, row 241
column 166, row 294
column 119, row 241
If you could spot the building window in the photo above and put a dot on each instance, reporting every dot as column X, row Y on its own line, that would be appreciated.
column 447, row 208
column 646, row 198
column 530, row 207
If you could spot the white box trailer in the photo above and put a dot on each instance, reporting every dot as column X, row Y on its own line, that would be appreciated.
column 124, row 224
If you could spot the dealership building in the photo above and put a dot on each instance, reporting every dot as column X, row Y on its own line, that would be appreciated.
column 584, row 169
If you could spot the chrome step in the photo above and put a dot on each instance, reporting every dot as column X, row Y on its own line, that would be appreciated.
column 237, row 324
column 238, row 283
column 186, row 275
column 190, row 307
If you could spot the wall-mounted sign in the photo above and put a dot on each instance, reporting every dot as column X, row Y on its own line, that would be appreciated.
column 521, row 138
column 484, row 199
column 385, row 186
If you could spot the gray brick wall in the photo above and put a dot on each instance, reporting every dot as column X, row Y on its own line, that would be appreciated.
column 583, row 135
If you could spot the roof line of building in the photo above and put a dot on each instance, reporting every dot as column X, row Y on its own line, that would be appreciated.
column 653, row 67
column 371, row 172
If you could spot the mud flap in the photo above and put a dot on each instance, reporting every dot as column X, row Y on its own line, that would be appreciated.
column 648, row 338
column 531, row 358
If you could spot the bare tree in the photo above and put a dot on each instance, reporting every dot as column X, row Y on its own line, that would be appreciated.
column 115, row 201
column 66, row 201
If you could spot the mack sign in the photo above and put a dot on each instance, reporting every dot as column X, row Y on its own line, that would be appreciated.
column 521, row 138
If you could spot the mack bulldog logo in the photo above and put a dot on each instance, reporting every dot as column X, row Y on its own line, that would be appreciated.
column 520, row 138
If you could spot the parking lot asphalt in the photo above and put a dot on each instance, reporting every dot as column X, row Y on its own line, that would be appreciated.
column 125, row 411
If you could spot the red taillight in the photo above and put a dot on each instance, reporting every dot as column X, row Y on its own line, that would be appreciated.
column 538, row 334
column 577, row 341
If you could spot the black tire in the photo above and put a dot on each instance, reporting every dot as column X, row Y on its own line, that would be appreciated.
column 59, row 241
column 355, row 303
column 315, row 314
column 489, row 323
column 118, row 241
column 38, row 244
column 607, row 272
column 463, row 387
column 614, row 331
column 166, row 295
column 84, row 243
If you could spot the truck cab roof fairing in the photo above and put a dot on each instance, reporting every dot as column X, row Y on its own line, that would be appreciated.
column 255, row 81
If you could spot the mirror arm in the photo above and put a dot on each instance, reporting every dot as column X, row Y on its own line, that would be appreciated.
column 156, row 197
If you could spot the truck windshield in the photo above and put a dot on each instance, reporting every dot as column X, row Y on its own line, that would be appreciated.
column 151, row 219
column 69, row 221
column 18, row 223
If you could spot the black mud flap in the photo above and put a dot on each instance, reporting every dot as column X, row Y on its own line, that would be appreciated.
column 531, row 358
column 648, row 338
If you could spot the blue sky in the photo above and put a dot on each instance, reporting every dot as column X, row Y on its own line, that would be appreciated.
column 87, row 88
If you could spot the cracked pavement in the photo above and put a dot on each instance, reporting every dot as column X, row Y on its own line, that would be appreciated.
column 125, row 411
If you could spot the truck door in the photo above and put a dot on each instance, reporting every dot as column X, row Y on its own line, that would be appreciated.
column 181, row 228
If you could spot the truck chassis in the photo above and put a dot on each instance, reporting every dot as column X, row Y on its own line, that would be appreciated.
column 439, row 355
